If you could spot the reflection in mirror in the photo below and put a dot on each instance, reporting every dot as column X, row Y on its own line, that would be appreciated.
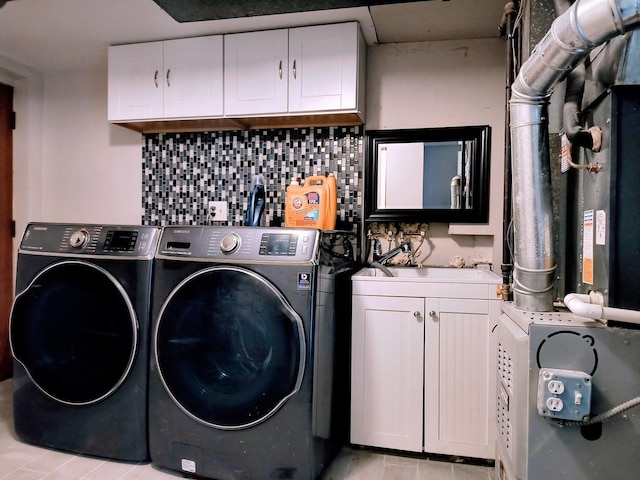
column 438, row 174
column 403, row 166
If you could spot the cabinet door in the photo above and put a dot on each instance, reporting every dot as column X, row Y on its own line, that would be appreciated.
column 323, row 67
column 255, row 72
column 460, row 376
column 387, row 372
column 135, row 88
column 193, row 77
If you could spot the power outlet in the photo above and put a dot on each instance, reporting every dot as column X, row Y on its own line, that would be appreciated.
column 218, row 212
column 564, row 394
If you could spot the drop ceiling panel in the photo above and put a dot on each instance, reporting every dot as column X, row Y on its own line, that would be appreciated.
column 435, row 20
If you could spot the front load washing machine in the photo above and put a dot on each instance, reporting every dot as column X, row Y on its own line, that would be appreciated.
column 242, row 382
column 79, row 333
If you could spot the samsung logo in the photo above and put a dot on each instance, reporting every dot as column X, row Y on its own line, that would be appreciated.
column 181, row 231
column 41, row 228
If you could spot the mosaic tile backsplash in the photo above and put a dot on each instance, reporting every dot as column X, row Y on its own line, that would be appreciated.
column 182, row 172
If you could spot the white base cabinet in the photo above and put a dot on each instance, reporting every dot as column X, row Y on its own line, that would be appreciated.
column 423, row 368
column 386, row 374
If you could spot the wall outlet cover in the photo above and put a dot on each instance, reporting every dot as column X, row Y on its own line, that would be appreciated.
column 218, row 212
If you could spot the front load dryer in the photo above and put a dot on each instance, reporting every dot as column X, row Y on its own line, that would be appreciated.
column 79, row 334
column 242, row 367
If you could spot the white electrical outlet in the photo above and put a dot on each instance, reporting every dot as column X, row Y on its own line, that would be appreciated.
column 564, row 394
column 218, row 212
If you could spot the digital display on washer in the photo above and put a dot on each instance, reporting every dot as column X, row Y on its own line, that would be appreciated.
column 121, row 240
column 278, row 244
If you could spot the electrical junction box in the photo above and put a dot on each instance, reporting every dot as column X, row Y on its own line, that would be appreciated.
column 564, row 394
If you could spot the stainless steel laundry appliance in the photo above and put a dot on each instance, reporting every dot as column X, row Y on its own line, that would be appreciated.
column 249, row 377
column 79, row 334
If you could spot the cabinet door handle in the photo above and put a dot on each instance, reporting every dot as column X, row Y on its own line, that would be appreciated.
column 280, row 70
column 169, row 78
column 294, row 69
column 417, row 315
column 433, row 314
column 155, row 78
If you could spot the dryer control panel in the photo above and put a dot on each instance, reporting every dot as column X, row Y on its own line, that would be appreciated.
column 254, row 244
column 82, row 239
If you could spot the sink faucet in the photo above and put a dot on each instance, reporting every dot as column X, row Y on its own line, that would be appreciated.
column 404, row 247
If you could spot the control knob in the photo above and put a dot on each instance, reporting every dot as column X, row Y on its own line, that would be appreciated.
column 79, row 238
column 229, row 243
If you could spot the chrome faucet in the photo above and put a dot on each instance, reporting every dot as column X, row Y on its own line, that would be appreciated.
column 404, row 247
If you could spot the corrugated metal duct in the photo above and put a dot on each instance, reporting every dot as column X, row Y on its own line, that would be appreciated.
column 572, row 36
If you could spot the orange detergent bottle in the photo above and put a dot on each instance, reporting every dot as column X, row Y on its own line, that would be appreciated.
column 332, row 205
column 310, row 205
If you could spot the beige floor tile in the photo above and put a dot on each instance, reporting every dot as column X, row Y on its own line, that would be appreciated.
column 18, row 457
column 399, row 472
column 22, row 475
column 148, row 472
column 19, row 461
column 435, row 470
column 366, row 465
column 115, row 470
column 76, row 468
column 470, row 472
column 399, row 460
column 340, row 466
column 50, row 461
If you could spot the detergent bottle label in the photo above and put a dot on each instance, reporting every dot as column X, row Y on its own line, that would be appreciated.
column 312, row 205
column 304, row 209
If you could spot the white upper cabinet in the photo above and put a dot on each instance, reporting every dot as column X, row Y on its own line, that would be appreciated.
column 255, row 72
column 299, row 70
column 303, row 76
column 171, row 79
column 135, row 81
column 323, row 67
column 193, row 77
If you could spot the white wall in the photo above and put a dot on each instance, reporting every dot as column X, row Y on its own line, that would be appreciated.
column 446, row 84
column 92, row 171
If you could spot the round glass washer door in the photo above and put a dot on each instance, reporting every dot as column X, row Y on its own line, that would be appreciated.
column 75, row 331
column 230, row 349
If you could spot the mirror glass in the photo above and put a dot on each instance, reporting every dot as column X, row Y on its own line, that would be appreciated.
column 430, row 175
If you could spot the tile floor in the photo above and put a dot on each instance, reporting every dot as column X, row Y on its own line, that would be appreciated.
column 19, row 461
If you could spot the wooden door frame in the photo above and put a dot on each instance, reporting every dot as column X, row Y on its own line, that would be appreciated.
column 6, row 225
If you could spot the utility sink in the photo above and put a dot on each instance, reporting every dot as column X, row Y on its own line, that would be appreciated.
column 427, row 282
column 431, row 274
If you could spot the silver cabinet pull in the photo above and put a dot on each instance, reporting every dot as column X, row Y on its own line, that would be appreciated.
column 155, row 78
column 433, row 314
column 169, row 78
column 280, row 70
column 294, row 69
column 417, row 315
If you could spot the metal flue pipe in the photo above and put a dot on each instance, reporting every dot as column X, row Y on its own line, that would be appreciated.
column 587, row 24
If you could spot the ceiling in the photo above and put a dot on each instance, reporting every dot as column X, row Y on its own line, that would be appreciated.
column 59, row 35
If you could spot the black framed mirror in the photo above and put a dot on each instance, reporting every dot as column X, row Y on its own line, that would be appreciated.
column 428, row 175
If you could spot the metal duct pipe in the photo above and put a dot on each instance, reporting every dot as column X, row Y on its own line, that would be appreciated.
column 587, row 24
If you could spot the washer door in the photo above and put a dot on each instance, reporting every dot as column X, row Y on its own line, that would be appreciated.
column 230, row 349
column 75, row 332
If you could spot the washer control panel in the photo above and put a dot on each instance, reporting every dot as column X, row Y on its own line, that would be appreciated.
column 240, row 243
column 115, row 240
